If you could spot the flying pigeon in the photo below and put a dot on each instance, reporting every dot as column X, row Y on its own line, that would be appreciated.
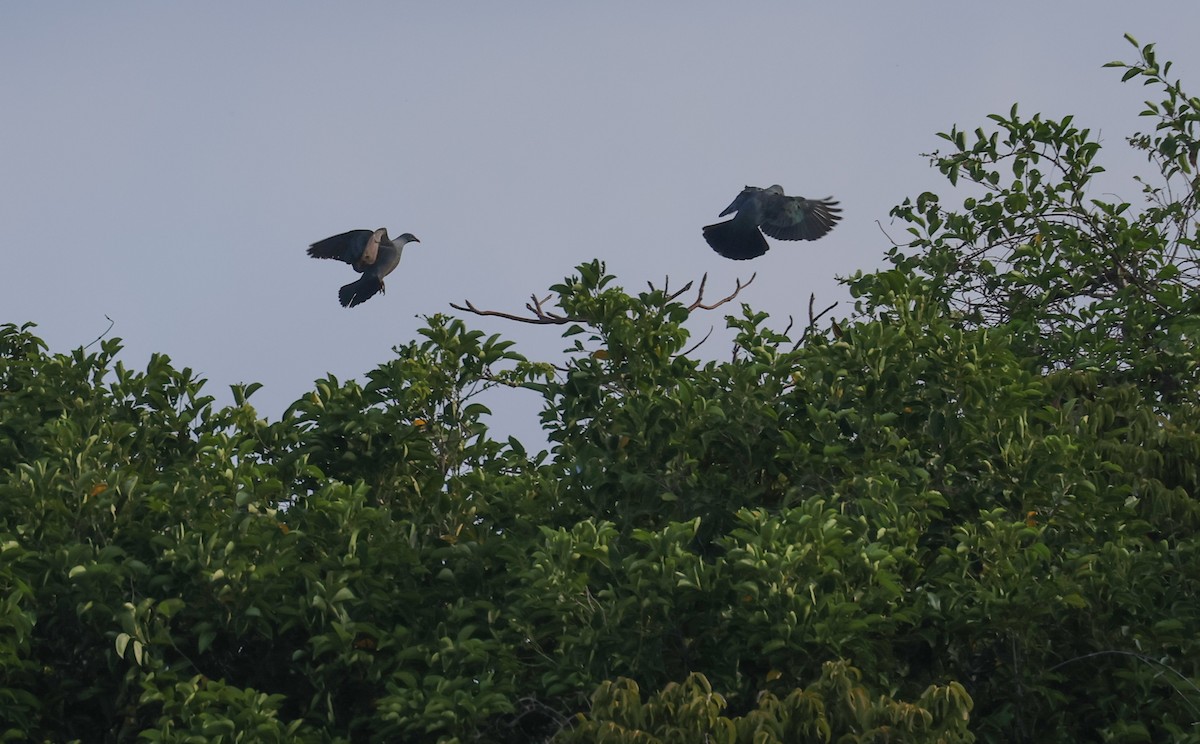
column 371, row 252
column 781, row 217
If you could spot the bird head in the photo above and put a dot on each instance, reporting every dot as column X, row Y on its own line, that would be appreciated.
column 405, row 238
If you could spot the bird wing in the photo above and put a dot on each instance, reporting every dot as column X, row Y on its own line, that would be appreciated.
column 797, row 218
column 349, row 246
column 748, row 194
column 371, row 251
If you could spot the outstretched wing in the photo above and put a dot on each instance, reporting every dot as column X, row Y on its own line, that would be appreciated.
column 358, row 248
column 797, row 218
column 371, row 251
column 746, row 198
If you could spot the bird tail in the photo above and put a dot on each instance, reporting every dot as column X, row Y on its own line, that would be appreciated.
column 736, row 241
column 356, row 293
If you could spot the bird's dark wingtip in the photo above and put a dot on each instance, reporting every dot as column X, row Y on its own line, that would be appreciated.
column 325, row 249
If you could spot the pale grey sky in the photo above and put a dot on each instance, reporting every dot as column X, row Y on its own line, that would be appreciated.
column 167, row 164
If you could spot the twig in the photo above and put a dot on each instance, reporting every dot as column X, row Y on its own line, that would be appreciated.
column 698, row 343
column 111, row 323
column 666, row 288
column 885, row 233
column 699, row 303
column 686, row 287
column 540, row 315
column 812, row 319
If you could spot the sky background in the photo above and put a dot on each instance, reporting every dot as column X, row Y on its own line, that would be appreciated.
column 167, row 164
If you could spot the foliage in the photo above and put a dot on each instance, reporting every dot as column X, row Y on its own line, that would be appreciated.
column 837, row 705
column 968, row 514
column 1086, row 281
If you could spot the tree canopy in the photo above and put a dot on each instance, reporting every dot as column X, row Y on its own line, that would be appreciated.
column 967, row 513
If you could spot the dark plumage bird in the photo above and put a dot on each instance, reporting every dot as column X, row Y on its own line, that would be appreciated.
column 371, row 252
column 781, row 217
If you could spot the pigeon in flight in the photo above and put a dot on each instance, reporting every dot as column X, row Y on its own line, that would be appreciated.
column 781, row 217
column 371, row 252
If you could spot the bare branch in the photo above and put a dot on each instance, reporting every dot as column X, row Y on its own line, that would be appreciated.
column 111, row 323
column 666, row 288
column 698, row 344
column 822, row 314
column 539, row 315
column 686, row 287
column 535, row 306
column 885, row 233
column 813, row 318
column 699, row 303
